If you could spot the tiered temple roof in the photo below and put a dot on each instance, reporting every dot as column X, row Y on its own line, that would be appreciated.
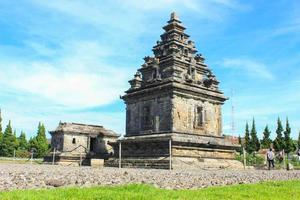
column 175, row 60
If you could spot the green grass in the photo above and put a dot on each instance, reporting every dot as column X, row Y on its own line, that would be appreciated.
column 280, row 190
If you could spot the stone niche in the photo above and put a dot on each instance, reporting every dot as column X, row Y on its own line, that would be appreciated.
column 196, row 117
column 148, row 115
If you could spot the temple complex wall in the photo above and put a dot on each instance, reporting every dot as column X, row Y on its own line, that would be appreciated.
column 196, row 116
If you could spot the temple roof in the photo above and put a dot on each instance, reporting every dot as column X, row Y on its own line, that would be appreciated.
column 86, row 129
column 174, row 16
column 175, row 59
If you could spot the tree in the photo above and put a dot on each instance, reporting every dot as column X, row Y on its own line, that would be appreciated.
column 32, row 144
column 254, row 142
column 240, row 143
column 240, row 140
column 16, row 140
column 298, row 142
column 266, row 141
column 9, row 141
column 279, row 141
column 39, row 143
column 288, row 142
column 1, row 136
column 247, row 139
column 23, row 144
column 1, row 133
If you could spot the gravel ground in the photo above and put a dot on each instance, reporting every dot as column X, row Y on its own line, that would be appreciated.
column 25, row 176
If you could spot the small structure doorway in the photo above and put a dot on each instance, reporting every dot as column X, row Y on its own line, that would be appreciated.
column 92, row 144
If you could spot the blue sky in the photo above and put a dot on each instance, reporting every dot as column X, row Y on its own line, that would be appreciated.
column 70, row 60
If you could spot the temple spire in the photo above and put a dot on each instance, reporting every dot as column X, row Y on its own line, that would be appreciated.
column 174, row 17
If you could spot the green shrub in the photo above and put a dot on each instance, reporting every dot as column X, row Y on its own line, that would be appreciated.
column 22, row 154
column 252, row 159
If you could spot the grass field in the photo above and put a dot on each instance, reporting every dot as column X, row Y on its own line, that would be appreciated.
column 280, row 190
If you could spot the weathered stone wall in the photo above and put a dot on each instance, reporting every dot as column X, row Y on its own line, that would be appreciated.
column 184, row 113
column 201, row 153
column 148, row 115
column 109, row 148
column 57, row 141
column 79, row 140
column 143, row 149
column 156, row 154
column 102, row 147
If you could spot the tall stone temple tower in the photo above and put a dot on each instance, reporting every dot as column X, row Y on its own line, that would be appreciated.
column 173, row 109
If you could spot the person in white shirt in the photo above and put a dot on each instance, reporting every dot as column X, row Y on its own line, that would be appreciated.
column 270, row 158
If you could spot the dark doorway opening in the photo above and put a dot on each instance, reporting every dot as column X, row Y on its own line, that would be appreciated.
column 92, row 144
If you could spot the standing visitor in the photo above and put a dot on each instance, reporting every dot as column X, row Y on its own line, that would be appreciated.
column 298, row 153
column 270, row 158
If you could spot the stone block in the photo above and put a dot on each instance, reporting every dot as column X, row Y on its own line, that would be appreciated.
column 97, row 163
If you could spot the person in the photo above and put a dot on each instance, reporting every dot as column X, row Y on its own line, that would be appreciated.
column 298, row 153
column 270, row 158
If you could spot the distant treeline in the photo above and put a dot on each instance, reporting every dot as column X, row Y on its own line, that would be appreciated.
column 283, row 140
column 11, row 145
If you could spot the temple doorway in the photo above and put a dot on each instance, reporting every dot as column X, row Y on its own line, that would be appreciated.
column 92, row 144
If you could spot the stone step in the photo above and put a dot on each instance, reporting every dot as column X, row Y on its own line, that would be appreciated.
column 138, row 163
column 66, row 160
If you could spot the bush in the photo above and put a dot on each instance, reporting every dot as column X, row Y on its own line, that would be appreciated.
column 295, row 160
column 252, row 159
column 22, row 154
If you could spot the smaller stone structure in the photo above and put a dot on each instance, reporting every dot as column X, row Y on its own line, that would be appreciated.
column 74, row 142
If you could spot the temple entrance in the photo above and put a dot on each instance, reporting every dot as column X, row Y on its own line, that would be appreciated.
column 92, row 144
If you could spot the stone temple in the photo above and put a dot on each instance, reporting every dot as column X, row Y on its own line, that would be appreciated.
column 174, row 110
column 76, row 143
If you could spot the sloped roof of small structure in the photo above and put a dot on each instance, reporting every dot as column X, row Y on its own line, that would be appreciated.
column 84, row 129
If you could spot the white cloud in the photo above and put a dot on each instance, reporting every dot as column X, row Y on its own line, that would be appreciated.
column 78, row 78
column 77, row 73
column 285, row 29
column 51, row 117
column 265, row 104
column 133, row 12
column 252, row 67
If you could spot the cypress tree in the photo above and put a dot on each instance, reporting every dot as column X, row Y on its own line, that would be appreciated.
column 266, row 141
column 247, row 139
column 1, row 133
column 255, row 145
column 16, row 141
column 288, row 142
column 240, row 143
column 298, row 140
column 23, row 144
column 240, row 140
column 279, row 141
column 9, row 141
column 32, row 144
column 39, row 143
